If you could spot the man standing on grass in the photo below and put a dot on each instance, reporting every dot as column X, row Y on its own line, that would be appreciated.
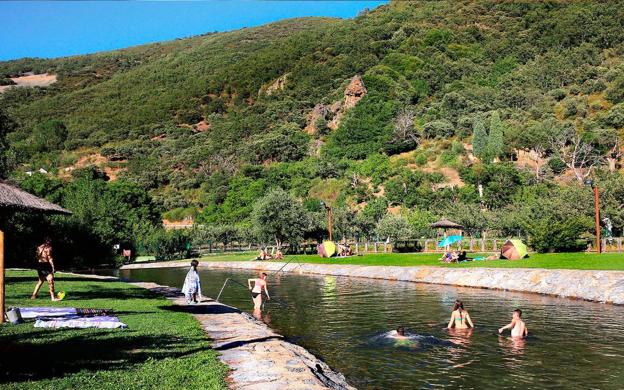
column 45, row 269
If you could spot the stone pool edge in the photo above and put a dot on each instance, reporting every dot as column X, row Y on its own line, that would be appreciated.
column 254, row 354
column 590, row 285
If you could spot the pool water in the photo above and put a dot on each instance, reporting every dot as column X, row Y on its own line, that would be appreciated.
column 346, row 322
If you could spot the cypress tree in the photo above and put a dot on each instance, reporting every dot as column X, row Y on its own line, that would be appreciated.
column 496, row 142
column 479, row 139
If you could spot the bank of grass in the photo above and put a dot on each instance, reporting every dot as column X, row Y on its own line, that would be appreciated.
column 577, row 260
column 162, row 348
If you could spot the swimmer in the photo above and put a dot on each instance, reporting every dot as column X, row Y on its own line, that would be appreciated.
column 460, row 319
column 256, row 292
column 399, row 334
column 517, row 326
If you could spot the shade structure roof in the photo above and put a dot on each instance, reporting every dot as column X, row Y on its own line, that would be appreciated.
column 13, row 198
column 446, row 224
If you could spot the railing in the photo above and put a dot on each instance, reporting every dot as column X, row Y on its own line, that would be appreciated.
column 427, row 245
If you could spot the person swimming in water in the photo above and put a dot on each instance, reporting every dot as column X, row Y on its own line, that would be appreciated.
column 517, row 326
column 460, row 319
column 399, row 334
column 256, row 292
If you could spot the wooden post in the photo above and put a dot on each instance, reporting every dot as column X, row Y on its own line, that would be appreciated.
column 366, row 247
column 483, row 245
column 375, row 246
column 619, row 245
column 598, row 249
column 329, row 217
column 1, row 277
column 357, row 247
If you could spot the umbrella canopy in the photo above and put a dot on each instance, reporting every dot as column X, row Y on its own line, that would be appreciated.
column 514, row 250
column 449, row 241
column 446, row 224
column 327, row 249
column 14, row 199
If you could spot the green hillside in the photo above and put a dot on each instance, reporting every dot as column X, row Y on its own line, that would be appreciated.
column 523, row 99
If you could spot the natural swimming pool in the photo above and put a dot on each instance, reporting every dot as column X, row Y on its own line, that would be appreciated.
column 573, row 344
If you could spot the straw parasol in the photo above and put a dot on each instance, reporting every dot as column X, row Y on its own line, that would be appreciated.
column 14, row 199
column 446, row 224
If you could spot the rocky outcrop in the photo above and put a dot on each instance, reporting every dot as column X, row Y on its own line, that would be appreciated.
column 276, row 86
column 598, row 286
column 334, row 113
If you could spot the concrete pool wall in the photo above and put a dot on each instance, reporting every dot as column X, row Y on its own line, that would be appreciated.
column 591, row 285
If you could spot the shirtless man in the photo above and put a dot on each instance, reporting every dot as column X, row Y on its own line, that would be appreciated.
column 45, row 269
column 517, row 326
column 256, row 292
column 399, row 334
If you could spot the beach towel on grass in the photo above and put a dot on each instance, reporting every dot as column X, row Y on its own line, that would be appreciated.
column 101, row 322
column 34, row 312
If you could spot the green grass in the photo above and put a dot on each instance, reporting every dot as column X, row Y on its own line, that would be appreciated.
column 162, row 347
column 579, row 260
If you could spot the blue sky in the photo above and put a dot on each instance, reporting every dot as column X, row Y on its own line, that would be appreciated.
column 61, row 28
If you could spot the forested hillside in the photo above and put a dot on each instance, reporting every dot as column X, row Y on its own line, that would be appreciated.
column 396, row 117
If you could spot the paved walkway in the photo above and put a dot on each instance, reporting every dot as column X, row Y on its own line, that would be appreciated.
column 258, row 357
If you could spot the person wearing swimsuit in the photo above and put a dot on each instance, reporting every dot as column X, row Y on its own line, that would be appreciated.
column 256, row 291
column 517, row 326
column 460, row 319
column 45, row 269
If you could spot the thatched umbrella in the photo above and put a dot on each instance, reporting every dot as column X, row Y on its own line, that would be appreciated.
column 13, row 199
column 446, row 224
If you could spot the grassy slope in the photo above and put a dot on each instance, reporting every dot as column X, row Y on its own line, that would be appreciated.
column 607, row 261
column 162, row 347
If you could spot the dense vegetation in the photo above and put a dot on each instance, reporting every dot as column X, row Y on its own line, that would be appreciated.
column 521, row 100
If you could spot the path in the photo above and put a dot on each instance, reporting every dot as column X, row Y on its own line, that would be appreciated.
column 258, row 357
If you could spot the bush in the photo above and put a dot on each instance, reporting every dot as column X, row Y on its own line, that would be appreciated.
column 557, row 165
column 438, row 129
column 421, row 159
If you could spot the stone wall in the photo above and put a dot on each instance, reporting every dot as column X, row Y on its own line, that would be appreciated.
column 598, row 286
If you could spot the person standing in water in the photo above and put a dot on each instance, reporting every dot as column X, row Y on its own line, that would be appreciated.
column 460, row 319
column 192, row 285
column 517, row 326
column 45, row 269
column 256, row 291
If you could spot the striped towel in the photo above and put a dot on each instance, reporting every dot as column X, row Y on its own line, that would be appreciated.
column 34, row 312
column 102, row 322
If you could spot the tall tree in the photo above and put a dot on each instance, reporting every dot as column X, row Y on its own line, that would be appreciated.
column 496, row 142
column 479, row 139
column 279, row 217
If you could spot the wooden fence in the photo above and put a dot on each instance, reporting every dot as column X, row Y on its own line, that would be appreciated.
column 429, row 245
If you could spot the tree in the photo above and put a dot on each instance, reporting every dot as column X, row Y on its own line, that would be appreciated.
column 496, row 142
column 6, row 125
column 394, row 227
column 279, row 217
column 49, row 135
column 571, row 147
column 479, row 139
column 404, row 135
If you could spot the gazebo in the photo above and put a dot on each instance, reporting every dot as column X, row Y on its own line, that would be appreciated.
column 13, row 199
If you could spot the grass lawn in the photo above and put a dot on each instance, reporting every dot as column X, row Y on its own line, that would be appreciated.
column 578, row 260
column 162, row 347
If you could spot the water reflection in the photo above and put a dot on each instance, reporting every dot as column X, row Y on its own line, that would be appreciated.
column 342, row 319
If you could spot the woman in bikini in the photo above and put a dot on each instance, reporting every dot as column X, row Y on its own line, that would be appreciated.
column 256, row 292
column 460, row 319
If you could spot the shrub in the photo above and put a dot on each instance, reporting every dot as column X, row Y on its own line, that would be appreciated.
column 438, row 129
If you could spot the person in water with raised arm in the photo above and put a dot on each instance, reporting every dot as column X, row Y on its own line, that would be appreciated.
column 256, row 291
column 460, row 319
column 517, row 326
